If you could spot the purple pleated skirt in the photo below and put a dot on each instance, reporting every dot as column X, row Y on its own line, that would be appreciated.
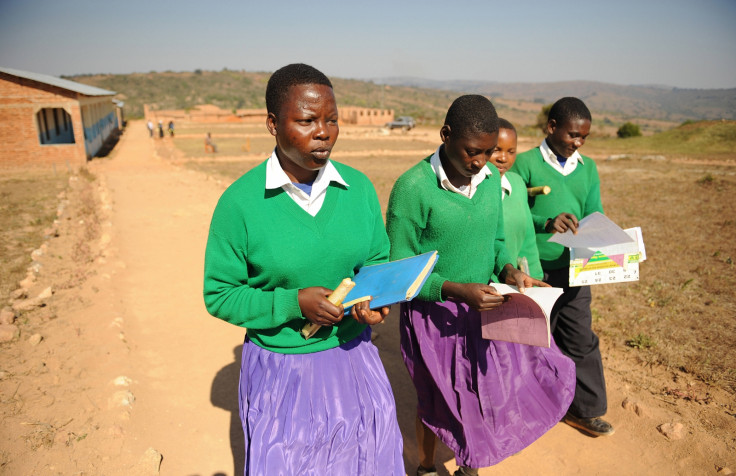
column 325, row 413
column 486, row 400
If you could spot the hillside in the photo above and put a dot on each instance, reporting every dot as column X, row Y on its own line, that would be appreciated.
column 655, row 108
column 240, row 89
column 631, row 102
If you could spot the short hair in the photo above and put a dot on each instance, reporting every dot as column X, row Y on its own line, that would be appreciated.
column 470, row 114
column 568, row 109
column 504, row 124
column 290, row 75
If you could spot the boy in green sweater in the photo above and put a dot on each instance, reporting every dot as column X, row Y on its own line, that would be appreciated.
column 575, row 194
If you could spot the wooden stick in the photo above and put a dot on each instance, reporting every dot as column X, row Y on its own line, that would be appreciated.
column 540, row 190
column 336, row 298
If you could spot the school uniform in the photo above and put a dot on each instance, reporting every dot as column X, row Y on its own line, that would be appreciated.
column 317, row 406
column 521, row 239
column 486, row 400
column 575, row 189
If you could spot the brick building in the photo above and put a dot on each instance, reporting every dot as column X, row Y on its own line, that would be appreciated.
column 365, row 116
column 45, row 120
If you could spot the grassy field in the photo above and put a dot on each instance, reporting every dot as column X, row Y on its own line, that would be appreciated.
column 681, row 313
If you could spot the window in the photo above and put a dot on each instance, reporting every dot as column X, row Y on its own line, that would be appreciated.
column 57, row 134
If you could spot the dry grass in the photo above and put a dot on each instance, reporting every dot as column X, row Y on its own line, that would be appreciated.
column 28, row 203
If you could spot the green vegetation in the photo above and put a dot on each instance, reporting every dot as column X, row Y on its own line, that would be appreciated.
column 640, row 341
column 696, row 140
column 629, row 129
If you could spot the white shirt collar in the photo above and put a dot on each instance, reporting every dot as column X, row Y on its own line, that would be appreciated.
column 276, row 177
column 551, row 158
column 475, row 180
column 505, row 186
column 310, row 203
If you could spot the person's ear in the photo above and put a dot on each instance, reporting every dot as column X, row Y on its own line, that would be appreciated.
column 445, row 133
column 551, row 126
column 271, row 122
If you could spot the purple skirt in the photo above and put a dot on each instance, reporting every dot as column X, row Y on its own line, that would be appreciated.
column 486, row 400
column 325, row 413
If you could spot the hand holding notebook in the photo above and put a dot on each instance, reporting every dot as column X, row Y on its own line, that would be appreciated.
column 386, row 283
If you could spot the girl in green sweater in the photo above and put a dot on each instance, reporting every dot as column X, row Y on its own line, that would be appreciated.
column 282, row 236
column 521, row 241
column 484, row 399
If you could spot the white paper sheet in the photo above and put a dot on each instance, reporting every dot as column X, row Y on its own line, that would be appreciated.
column 595, row 231
column 545, row 297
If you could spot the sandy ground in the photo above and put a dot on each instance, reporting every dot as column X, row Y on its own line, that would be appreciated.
column 132, row 376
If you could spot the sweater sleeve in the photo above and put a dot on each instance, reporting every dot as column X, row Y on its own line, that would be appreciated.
column 380, row 247
column 530, row 252
column 593, row 200
column 499, row 244
column 406, row 220
column 227, row 293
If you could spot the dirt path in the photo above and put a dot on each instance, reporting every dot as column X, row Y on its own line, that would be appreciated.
column 141, row 317
column 160, row 220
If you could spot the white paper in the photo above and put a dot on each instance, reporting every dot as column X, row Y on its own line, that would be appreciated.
column 545, row 297
column 635, row 233
column 596, row 231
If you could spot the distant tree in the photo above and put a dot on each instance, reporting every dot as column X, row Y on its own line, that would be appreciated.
column 542, row 117
column 629, row 129
column 197, row 71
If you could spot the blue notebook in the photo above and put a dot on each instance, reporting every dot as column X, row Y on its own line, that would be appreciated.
column 392, row 282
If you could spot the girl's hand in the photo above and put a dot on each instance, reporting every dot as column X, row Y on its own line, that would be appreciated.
column 481, row 297
column 520, row 279
column 362, row 313
column 561, row 223
column 317, row 309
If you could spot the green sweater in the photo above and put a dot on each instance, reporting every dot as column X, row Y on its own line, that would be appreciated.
column 518, row 226
column 578, row 193
column 262, row 248
column 467, row 233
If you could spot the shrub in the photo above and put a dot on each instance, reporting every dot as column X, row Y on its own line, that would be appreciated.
column 629, row 129
column 542, row 117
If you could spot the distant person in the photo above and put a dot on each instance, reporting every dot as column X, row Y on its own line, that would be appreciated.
column 282, row 237
column 149, row 125
column 485, row 399
column 521, row 240
column 171, row 128
column 573, row 179
column 209, row 144
column 161, row 129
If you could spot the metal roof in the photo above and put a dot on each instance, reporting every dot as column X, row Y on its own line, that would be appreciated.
column 58, row 82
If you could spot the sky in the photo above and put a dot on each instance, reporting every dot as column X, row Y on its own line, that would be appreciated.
column 677, row 43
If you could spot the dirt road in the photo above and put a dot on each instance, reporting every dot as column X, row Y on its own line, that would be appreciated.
column 160, row 375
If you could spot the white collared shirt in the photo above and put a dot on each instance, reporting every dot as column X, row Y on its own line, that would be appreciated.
column 276, row 177
column 475, row 180
column 505, row 187
column 551, row 158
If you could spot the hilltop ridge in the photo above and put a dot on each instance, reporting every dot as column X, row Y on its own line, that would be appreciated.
column 426, row 100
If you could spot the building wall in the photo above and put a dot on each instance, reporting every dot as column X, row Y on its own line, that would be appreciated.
column 206, row 113
column 20, row 102
column 365, row 116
